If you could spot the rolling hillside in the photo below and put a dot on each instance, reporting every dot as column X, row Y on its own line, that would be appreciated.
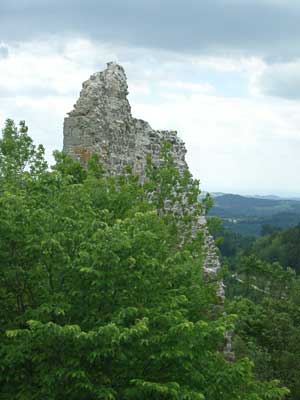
column 246, row 215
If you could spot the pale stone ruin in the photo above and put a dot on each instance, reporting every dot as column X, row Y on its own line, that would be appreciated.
column 101, row 122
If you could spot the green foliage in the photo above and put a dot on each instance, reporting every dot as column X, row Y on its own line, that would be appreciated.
column 68, row 168
column 266, row 298
column 282, row 246
column 264, row 293
column 100, row 296
column 230, row 243
column 18, row 153
column 268, row 229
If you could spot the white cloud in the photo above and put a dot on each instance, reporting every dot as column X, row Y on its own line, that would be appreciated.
column 41, row 80
column 51, row 67
column 188, row 86
column 249, row 145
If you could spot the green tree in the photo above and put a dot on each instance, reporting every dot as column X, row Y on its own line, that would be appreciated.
column 100, row 296
column 266, row 298
column 282, row 246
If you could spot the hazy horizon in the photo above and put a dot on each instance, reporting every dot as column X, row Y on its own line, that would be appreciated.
column 281, row 195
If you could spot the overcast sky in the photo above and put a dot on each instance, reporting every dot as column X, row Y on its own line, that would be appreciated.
column 224, row 73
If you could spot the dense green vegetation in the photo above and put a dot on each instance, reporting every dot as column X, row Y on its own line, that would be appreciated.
column 247, row 215
column 281, row 246
column 263, row 289
column 101, row 288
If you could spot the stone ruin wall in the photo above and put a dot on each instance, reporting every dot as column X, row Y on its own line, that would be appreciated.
column 101, row 122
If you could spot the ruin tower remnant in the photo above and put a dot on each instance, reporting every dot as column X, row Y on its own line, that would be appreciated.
column 101, row 123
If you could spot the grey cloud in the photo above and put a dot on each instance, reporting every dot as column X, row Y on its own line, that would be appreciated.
column 281, row 80
column 267, row 28
column 3, row 51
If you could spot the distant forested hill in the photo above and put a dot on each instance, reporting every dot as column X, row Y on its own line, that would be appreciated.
column 247, row 215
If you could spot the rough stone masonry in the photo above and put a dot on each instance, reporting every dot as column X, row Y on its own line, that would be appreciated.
column 101, row 122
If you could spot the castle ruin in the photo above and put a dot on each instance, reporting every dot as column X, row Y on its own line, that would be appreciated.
column 101, row 122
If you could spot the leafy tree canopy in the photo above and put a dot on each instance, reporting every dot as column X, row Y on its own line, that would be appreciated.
column 100, row 296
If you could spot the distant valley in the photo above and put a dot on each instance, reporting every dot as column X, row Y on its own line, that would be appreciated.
column 247, row 215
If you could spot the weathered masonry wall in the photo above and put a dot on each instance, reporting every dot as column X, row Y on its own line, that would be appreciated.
column 101, row 122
